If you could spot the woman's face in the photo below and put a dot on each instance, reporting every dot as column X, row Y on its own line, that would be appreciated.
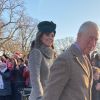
column 47, row 39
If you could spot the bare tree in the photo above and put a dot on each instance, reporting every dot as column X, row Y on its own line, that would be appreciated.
column 62, row 44
column 18, row 29
column 27, row 32
column 10, row 15
column 1, row 23
column 11, row 46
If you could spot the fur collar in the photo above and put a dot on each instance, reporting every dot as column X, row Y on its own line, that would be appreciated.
column 46, row 51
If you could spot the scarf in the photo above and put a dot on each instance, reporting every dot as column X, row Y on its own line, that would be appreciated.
column 46, row 51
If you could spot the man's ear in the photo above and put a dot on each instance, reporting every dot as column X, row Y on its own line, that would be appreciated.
column 79, row 34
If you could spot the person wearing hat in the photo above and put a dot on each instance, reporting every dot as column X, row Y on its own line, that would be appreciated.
column 41, row 58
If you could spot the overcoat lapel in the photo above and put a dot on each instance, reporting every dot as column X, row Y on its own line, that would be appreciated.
column 78, row 58
column 83, row 65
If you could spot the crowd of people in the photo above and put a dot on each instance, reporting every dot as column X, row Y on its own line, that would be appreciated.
column 14, row 76
column 73, row 75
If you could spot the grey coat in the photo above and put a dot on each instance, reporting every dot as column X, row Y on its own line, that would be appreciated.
column 39, row 65
column 70, row 77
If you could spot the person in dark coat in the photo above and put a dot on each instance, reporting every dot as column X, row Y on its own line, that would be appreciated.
column 18, row 82
column 5, row 82
column 96, row 84
column 96, row 79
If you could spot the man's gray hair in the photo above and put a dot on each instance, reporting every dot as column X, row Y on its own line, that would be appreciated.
column 85, row 26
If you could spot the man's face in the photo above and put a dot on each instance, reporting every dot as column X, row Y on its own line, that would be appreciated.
column 88, row 40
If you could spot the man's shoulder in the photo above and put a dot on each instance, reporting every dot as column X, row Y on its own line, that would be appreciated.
column 66, row 54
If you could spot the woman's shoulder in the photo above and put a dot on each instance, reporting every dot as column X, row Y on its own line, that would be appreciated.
column 36, row 52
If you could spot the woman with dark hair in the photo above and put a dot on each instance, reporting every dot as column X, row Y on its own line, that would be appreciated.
column 41, row 58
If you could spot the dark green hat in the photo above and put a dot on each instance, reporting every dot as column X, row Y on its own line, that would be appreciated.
column 46, row 27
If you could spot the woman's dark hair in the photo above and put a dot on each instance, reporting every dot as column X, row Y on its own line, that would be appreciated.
column 32, row 44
